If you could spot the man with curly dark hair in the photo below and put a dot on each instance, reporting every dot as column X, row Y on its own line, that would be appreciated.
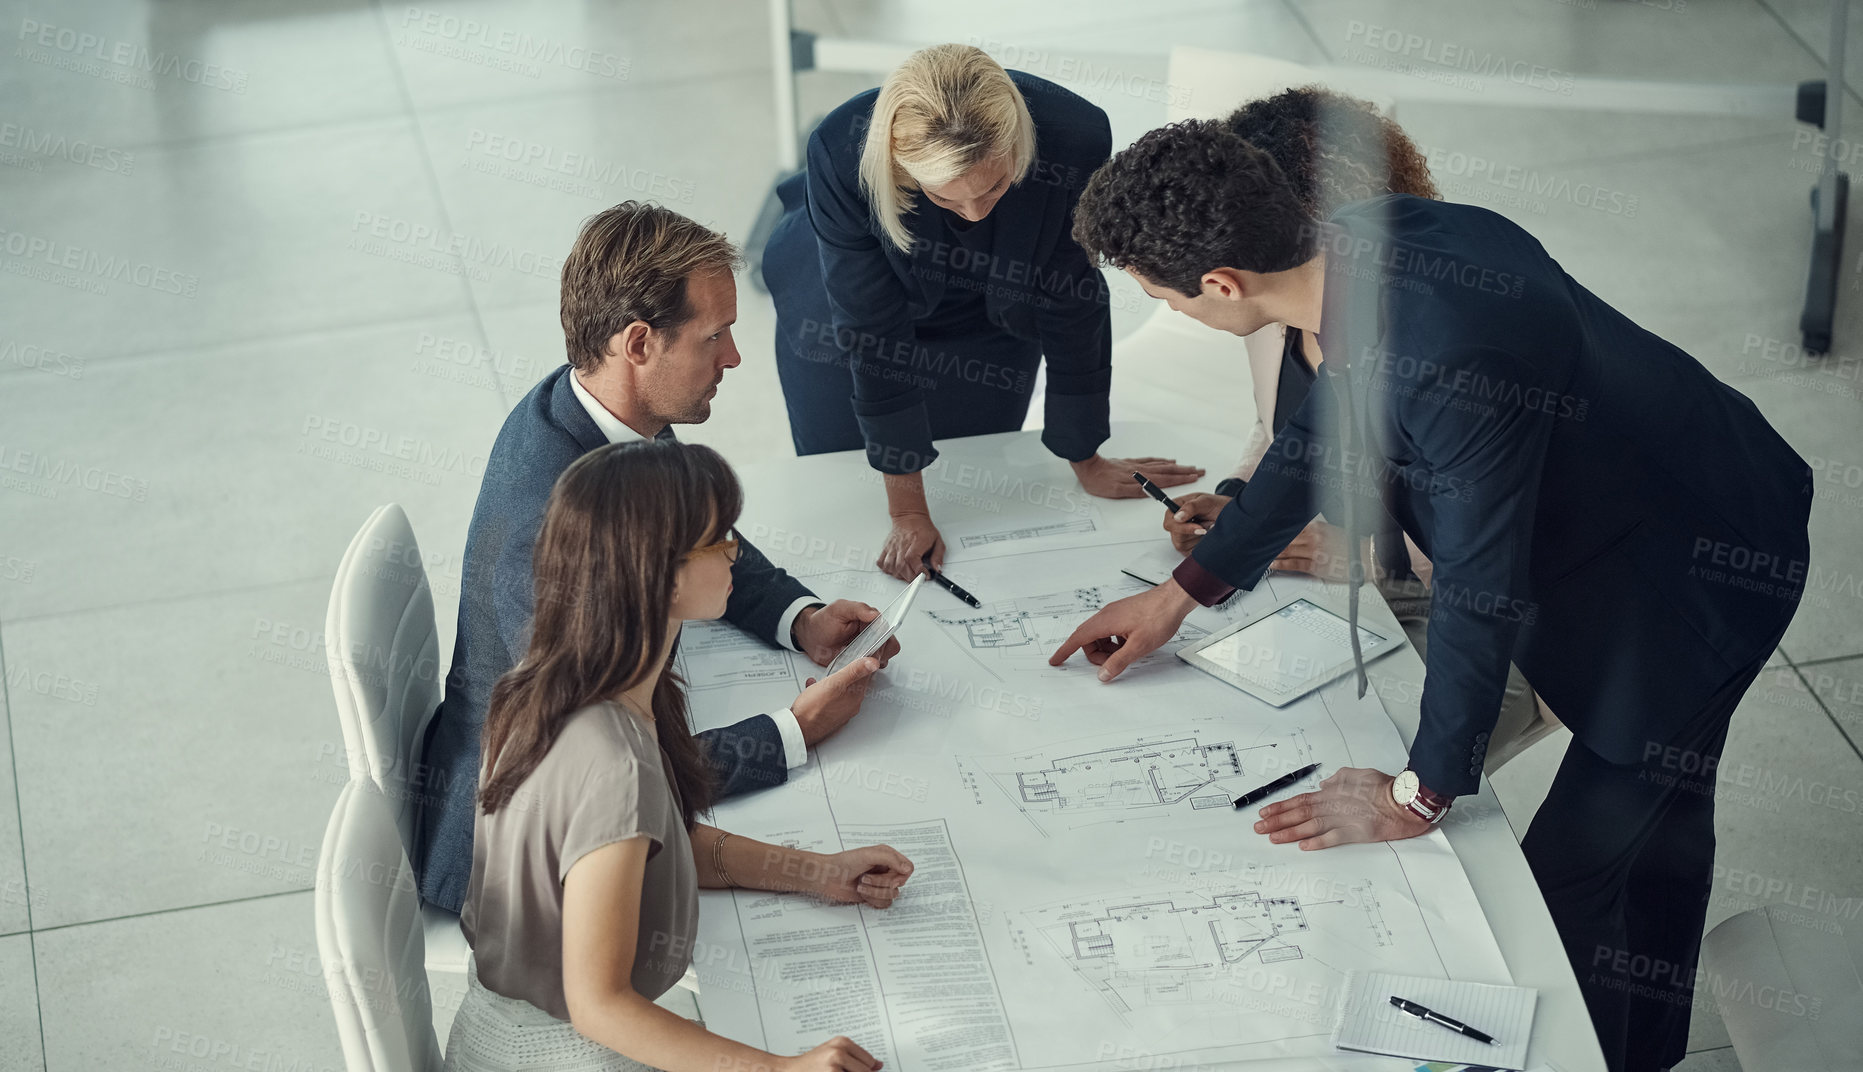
column 1598, row 507
column 1364, row 154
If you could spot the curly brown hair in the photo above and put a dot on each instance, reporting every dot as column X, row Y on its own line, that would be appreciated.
column 1363, row 153
column 1188, row 197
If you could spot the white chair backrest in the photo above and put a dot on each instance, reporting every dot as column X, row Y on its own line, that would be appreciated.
column 1788, row 986
column 369, row 939
column 1211, row 83
column 384, row 655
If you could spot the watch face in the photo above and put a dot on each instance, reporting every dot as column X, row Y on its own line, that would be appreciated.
column 1404, row 788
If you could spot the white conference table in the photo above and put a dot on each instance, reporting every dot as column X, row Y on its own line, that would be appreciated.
column 832, row 509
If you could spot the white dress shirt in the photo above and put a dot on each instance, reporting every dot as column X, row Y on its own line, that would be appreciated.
column 795, row 749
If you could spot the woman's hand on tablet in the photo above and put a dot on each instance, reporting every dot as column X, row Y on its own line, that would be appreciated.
column 826, row 705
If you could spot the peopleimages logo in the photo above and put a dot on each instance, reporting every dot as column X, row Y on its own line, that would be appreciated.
column 41, row 359
column 39, row 254
column 1527, row 183
column 526, row 51
column 77, row 47
column 1451, row 56
column 427, row 246
column 56, row 473
column 498, row 149
column 60, row 147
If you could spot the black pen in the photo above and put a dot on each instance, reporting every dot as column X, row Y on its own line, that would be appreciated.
column 1157, row 493
column 1276, row 786
column 1435, row 1017
column 949, row 585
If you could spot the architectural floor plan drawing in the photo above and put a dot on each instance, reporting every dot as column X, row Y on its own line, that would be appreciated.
column 717, row 654
column 1135, row 776
column 1075, row 527
column 1093, row 780
column 1208, row 944
column 1020, row 634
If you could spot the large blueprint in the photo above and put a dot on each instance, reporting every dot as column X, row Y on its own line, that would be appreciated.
column 1084, row 895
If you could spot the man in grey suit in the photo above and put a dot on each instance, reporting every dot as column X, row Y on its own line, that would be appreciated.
column 647, row 307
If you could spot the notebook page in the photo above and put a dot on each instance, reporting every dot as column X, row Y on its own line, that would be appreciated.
column 1370, row 1023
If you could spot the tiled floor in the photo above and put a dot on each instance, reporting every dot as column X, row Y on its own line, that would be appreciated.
column 283, row 211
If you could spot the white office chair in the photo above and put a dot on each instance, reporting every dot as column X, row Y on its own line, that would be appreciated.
column 1787, row 984
column 369, row 939
column 384, row 655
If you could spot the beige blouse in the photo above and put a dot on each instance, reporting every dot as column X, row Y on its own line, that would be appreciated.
column 604, row 780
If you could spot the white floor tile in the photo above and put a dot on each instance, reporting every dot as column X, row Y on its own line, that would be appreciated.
column 1788, row 807
column 1103, row 24
column 459, row 52
column 247, row 239
column 227, row 986
column 1716, row 1060
column 1839, row 687
column 1700, row 42
column 1788, row 814
column 1107, row 51
column 1514, row 156
column 1717, row 234
column 520, row 178
column 1523, row 783
column 1826, row 430
column 19, row 1007
column 244, row 465
column 1810, row 20
column 15, row 896
column 127, row 74
column 196, row 762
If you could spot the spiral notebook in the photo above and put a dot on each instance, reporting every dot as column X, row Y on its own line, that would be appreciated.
column 1368, row 1023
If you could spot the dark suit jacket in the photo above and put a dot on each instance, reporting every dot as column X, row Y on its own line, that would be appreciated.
column 1040, row 284
column 1628, row 529
column 548, row 431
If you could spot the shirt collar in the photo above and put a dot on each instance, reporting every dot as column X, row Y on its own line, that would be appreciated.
column 611, row 426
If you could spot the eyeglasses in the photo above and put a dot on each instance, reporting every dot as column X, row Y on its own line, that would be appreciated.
column 729, row 547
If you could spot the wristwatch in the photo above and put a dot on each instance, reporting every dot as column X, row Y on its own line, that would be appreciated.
column 1230, row 486
column 1410, row 795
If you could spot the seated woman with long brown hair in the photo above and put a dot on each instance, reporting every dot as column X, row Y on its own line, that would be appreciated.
column 587, row 853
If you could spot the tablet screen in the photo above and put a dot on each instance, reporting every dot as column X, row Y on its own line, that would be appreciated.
column 879, row 630
column 1285, row 651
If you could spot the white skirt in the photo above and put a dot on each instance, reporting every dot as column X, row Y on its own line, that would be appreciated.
column 494, row 1033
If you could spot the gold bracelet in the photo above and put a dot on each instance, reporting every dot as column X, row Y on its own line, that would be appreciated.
column 718, row 861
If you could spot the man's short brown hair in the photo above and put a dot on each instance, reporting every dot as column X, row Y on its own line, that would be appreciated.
column 631, row 263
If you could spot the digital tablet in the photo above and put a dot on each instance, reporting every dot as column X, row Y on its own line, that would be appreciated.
column 879, row 630
column 1287, row 652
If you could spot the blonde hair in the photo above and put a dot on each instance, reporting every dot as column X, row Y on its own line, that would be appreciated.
column 943, row 111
